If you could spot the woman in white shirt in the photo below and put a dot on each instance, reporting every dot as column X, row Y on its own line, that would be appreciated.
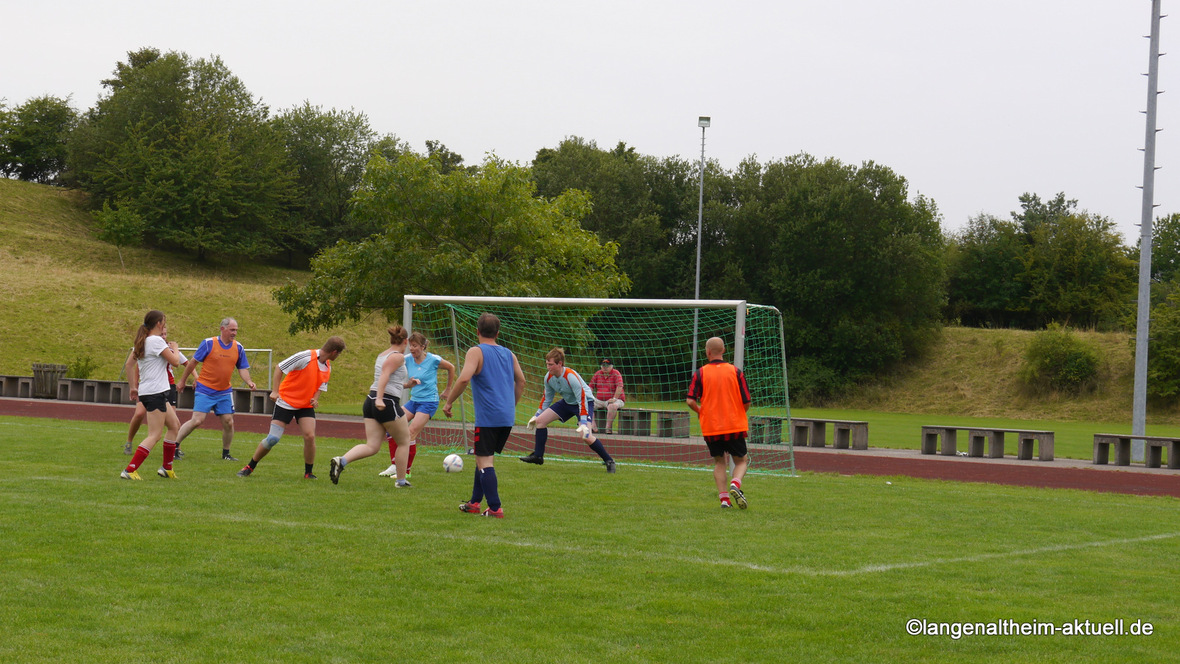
column 153, row 356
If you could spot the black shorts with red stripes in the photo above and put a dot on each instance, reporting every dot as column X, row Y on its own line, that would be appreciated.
column 491, row 440
column 733, row 443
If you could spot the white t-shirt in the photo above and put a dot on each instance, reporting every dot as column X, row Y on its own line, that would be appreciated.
column 153, row 369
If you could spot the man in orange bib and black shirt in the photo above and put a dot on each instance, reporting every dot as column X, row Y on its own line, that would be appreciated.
column 719, row 395
column 303, row 376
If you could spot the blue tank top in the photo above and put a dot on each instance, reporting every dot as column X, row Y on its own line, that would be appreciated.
column 494, row 388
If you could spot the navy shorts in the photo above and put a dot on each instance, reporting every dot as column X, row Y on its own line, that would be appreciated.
column 565, row 410
column 734, row 443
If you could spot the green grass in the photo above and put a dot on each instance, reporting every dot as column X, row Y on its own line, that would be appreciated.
column 640, row 566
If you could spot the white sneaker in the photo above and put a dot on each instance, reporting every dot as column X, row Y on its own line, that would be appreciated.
column 391, row 471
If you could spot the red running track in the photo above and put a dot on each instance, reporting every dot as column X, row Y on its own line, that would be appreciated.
column 1060, row 474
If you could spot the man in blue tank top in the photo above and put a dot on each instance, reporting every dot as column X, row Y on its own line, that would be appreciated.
column 497, row 384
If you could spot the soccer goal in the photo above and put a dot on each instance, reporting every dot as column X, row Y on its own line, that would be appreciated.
column 655, row 344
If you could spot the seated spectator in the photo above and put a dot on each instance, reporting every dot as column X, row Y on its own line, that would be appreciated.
column 607, row 386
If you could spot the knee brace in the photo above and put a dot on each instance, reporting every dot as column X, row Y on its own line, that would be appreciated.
column 272, row 438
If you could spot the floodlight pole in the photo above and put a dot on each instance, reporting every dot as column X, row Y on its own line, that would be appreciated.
column 702, row 122
column 1143, row 315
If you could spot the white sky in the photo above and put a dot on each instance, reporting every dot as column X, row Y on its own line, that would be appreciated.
column 973, row 103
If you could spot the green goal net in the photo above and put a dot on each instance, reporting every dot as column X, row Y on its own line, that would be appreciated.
column 651, row 344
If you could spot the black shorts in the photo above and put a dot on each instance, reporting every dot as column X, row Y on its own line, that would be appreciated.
column 172, row 396
column 491, row 440
column 285, row 415
column 392, row 411
column 154, row 401
column 734, row 443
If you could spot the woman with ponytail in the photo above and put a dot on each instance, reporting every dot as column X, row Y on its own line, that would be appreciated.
column 383, row 410
column 154, row 356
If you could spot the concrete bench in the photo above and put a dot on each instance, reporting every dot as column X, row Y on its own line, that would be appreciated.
column 633, row 422
column 71, row 389
column 846, row 434
column 1153, row 445
column 638, row 422
column 765, row 429
column 943, row 439
column 20, row 387
column 260, row 402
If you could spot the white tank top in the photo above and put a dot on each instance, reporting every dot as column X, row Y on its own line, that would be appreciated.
column 396, row 382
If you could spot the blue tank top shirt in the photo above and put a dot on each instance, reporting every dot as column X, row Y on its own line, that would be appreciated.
column 493, row 389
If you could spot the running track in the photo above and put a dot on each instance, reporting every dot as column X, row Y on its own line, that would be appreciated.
column 1061, row 473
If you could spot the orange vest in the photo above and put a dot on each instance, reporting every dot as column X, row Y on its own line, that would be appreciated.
column 722, row 410
column 218, row 366
column 299, row 387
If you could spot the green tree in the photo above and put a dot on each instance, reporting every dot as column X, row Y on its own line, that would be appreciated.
column 330, row 150
column 984, row 265
column 183, row 143
column 33, row 139
column 120, row 227
column 1077, row 271
column 647, row 205
column 855, row 266
column 479, row 232
column 1163, row 357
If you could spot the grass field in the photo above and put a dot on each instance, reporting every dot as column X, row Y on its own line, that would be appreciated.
column 640, row 566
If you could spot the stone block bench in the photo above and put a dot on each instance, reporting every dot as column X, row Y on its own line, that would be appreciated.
column 846, row 434
column 1153, row 446
column 638, row 422
column 942, row 439
column 20, row 387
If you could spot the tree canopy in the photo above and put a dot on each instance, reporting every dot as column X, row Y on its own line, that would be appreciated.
column 480, row 231
column 33, row 138
column 184, row 144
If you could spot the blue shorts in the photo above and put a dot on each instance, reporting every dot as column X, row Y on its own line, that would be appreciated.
column 564, row 410
column 218, row 405
column 427, row 407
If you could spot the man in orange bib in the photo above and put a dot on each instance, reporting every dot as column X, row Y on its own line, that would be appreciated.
column 298, row 379
column 219, row 357
column 719, row 395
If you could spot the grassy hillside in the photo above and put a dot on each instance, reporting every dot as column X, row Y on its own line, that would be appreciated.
column 64, row 295
column 975, row 372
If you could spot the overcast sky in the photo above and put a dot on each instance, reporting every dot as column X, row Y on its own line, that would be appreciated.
column 973, row 103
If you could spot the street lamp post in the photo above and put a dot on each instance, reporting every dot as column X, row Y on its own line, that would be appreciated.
column 702, row 122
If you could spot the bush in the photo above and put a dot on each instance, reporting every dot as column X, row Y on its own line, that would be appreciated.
column 82, row 367
column 811, row 382
column 1163, row 357
column 1057, row 360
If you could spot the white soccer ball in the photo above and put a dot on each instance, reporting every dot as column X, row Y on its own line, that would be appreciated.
column 453, row 463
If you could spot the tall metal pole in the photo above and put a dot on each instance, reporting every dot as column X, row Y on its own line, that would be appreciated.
column 1143, row 317
column 702, row 122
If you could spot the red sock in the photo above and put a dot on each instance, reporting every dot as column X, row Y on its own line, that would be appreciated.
column 724, row 498
column 392, row 448
column 169, row 454
column 141, row 453
column 737, row 483
column 410, row 463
